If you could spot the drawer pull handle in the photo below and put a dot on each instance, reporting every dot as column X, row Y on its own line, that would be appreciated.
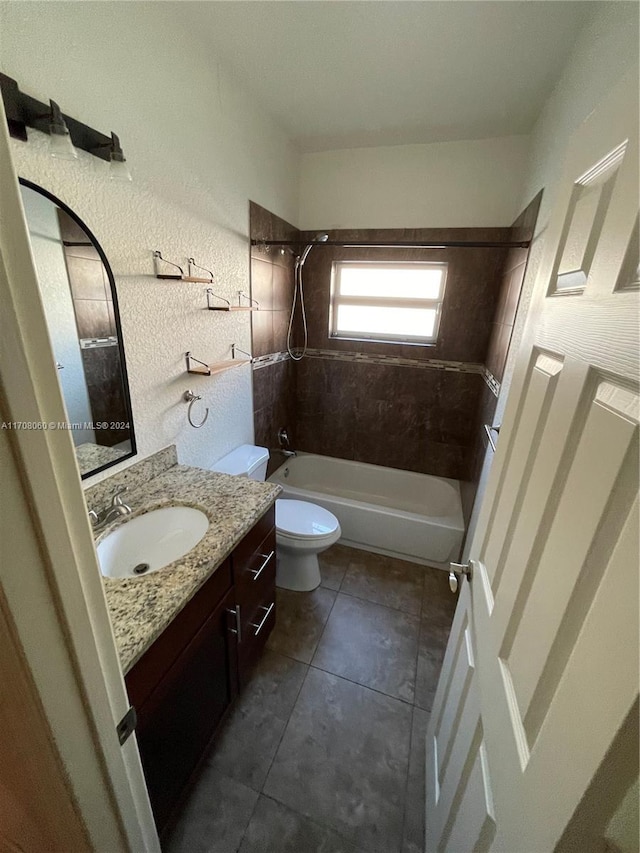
column 235, row 612
column 264, row 619
column 267, row 559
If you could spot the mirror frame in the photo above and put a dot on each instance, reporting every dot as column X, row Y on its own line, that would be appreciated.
column 116, row 313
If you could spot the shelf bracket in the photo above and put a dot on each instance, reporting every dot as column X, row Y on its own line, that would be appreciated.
column 242, row 295
column 210, row 295
column 190, row 358
column 157, row 256
column 194, row 266
column 235, row 348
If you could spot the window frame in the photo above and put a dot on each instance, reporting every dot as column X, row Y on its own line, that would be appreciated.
column 385, row 302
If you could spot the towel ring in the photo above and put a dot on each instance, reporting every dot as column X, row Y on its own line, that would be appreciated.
column 191, row 398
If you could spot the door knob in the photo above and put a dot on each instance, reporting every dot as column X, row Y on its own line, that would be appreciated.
column 458, row 569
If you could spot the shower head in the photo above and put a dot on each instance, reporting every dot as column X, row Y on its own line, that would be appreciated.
column 319, row 238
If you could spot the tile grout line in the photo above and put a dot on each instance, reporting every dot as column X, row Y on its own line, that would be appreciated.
column 261, row 791
column 253, row 811
column 413, row 714
column 406, row 781
column 326, row 621
column 424, row 584
column 417, row 615
column 313, row 820
column 365, row 686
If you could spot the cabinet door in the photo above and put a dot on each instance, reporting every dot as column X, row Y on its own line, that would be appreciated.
column 179, row 718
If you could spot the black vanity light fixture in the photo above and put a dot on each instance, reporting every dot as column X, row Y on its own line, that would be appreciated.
column 66, row 134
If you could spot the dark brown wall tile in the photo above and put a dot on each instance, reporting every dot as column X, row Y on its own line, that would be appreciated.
column 262, row 283
column 272, row 279
column 262, row 332
column 497, row 355
column 262, row 387
column 86, row 278
column 512, row 277
column 92, row 318
column 103, row 375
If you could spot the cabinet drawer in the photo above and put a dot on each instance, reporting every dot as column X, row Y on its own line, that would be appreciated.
column 255, row 635
column 255, row 576
column 245, row 550
column 144, row 676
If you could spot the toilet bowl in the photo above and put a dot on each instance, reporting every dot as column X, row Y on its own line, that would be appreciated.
column 303, row 529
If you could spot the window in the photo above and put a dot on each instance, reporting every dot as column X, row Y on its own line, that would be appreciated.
column 382, row 301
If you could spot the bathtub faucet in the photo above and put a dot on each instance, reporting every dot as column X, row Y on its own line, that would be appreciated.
column 287, row 453
column 285, row 444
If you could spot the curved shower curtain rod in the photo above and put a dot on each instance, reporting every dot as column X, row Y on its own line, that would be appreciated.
column 440, row 244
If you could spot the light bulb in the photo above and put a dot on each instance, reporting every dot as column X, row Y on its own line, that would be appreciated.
column 60, row 144
column 119, row 171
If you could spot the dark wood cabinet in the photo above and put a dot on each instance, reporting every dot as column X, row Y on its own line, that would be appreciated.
column 254, row 578
column 188, row 678
column 180, row 717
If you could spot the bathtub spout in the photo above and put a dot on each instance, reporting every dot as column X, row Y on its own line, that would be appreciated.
column 287, row 453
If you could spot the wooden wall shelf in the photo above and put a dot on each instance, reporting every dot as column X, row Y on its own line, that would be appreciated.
column 231, row 308
column 201, row 368
column 185, row 278
column 217, row 367
column 248, row 306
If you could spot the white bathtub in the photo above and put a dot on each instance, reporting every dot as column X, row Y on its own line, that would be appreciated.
column 415, row 517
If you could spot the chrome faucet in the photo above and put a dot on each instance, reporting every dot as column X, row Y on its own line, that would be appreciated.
column 285, row 444
column 105, row 516
column 281, row 450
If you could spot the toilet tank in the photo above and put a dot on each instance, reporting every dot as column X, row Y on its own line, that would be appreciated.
column 245, row 461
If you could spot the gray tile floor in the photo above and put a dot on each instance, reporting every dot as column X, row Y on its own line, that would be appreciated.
column 324, row 751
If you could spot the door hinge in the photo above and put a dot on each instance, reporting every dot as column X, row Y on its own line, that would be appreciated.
column 127, row 725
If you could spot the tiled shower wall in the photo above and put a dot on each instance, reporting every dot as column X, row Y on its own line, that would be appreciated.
column 501, row 330
column 273, row 376
column 409, row 407
column 417, row 408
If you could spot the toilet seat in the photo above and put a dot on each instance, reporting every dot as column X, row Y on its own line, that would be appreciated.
column 304, row 521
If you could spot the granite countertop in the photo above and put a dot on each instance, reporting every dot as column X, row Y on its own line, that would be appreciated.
column 91, row 456
column 141, row 608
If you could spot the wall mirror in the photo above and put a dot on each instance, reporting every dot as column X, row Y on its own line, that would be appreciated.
column 81, row 307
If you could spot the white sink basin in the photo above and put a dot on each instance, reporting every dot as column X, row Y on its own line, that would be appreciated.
column 151, row 541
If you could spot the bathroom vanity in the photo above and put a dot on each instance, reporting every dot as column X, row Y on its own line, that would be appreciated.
column 188, row 634
column 185, row 682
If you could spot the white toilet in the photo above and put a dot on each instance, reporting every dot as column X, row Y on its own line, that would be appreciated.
column 303, row 529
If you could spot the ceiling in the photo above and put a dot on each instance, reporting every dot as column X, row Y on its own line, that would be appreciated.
column 350, row 74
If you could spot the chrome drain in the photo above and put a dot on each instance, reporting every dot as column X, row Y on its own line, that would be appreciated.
column 141, row 568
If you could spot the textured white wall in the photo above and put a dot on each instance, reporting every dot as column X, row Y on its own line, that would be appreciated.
column 198, row 149
column 441, row 185
column 605, row 51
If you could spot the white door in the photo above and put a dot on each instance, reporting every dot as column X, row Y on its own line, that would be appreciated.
column 540, row 678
